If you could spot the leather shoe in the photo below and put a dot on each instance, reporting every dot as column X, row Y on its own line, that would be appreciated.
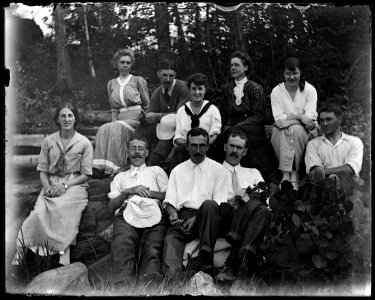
column 226, row 274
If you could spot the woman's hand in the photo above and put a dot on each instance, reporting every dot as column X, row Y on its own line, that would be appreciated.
column 187, row 227
column 281, row 124
column 308, row 122
column 50, row 191
column 60, row 189
column 152, row 117
column 180, row 142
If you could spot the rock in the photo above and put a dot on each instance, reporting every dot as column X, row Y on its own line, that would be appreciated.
column 67, row 280
column 201, row 284
column 100, row 273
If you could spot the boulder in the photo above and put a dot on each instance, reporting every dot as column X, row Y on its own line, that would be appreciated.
column 201, row 284
column 67, row 280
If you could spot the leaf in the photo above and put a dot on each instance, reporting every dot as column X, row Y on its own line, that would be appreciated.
column 322, row 241
column 296, row 220
column 328, row 235
column 319, row 261
column 303, row 245
column 348, row 205
column 331, row 254
column 314, row 230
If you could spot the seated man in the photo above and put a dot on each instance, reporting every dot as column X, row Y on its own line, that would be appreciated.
column 166, row 99
column 196, row 188
column 334, row 152
column 135, row 196
column 246, row 223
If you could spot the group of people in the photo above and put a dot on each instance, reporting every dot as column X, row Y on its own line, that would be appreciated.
column 219, row 149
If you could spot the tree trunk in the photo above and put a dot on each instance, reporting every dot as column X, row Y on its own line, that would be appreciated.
column 237, row 28
column 64, row 80
column 182, row 46
column 162, row 29
column 208, row 27
column 91, row 64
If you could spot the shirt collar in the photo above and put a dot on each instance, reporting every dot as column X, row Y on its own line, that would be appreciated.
column 202, row 165
column 230, row 167
column 170, row 90
column 242, row 81
column 56, row 136
column 343, row 137
column 141, row 167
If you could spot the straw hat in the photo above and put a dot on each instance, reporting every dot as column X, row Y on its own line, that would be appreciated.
column 142, row 212
column 166, row 127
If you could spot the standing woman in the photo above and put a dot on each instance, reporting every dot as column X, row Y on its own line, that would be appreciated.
column 65, row 165
column 128, row 97
column 198, row 112
column 242, row 106
column 294, row 109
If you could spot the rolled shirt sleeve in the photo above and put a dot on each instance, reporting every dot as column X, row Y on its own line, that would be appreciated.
column 355, row 157
column 311, row 102
column 87, row 158
column 276, row 104
column 216, row 120
column 43, row 157
column 312, row 158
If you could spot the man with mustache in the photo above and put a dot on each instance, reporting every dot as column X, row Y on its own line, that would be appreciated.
column 135, row 198
column 166, row 99
column 334, row 152
column 196, row 189
column 244, row 219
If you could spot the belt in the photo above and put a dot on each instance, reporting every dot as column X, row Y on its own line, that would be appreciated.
column 135, row 107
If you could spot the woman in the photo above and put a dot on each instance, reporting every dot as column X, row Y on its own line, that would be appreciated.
column 65, row 165
column 195, row 113
column 242, row 106
column 294, row 109
column 128, row 97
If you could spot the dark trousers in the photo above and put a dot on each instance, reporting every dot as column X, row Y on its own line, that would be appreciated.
column 244, row 228
column 161, row 152
column 206, row 229
column 137, row 248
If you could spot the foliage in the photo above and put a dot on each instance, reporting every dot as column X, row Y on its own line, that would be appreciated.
column 315, row 233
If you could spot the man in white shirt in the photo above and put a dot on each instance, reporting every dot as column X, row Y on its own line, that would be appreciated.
column 135, row 199
column 244, row 224
column 335, row 153
column 196, row 189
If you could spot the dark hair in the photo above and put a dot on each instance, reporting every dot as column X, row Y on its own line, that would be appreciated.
column 119, row 53
column 330, row 107
column 138, row 137
column 246, row 60
column 198, row 79
column 166, row 64
column 292, row 64
column 239, row 134
column 71, row 106
column 196, row 131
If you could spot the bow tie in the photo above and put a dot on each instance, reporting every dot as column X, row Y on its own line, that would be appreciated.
column 134, row 172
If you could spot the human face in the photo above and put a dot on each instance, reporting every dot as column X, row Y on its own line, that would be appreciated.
column 124, row 64
column 234, row 149
column 329, row 123
column 66, row 119
column 237, row 68
column 197, row 92
column 137, row 152
column 292, row 77
column 166, row 77
column 197, row 147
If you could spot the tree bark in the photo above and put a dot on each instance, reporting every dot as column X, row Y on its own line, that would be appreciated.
column 89, row 54
column 182, row 45
column 64, row 79
column 237, row 28
column 162, row 29
column 208, row 27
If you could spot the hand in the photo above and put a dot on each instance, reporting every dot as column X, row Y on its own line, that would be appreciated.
column 140, row 190
column 180, row 142
column 58, row 190
column 281, row 124
column 50, row 191
column 308, row 122
column 188, row 225
column 213, row 138
column 152, row 117
column 175, row 221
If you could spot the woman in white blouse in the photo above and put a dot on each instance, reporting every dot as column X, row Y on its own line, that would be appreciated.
column 294, row 109
column 195, row 113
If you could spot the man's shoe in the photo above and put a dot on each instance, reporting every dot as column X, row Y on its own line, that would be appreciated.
column 206, row 262
column 226, row 274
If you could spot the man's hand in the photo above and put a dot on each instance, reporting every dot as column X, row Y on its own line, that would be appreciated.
column 139, row 190
column 175, row 221
column 152, row 117
column 187, row 227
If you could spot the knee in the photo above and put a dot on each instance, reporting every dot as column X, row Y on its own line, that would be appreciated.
column 209, row 205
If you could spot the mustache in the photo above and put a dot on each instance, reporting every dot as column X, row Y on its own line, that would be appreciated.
column 234, row 154
column 197, row 154
column 137, row 156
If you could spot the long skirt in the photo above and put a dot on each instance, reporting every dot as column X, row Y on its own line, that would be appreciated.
column 52, row 225
column 289, row 145
column 110, row 153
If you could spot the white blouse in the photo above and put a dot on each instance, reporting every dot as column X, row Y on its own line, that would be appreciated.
column 303, row 103
column 238, row 90
column 210, row 121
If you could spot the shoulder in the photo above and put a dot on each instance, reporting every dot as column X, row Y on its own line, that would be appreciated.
column 82, row 138
column 49, row 139
column 316, row 141
column 181, row 84
column 157, row 92
column 215, row 165
column 309, row 87
column 277, row 88
column 156, row 169
column 139, row 79
column 353, row 139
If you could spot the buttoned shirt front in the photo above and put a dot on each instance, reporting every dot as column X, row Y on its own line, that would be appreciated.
column 246, row 177
column 191, row 184
column 347, row 150
column 304, row 102
column 78, row 154
column 152, row 177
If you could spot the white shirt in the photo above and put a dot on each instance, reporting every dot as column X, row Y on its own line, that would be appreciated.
column 191, row 184
column 246, row 176
column 303, row 103
column 170, row 90
column 322, row 153
column 153, row 177
column 210, row 121
column 238, row 89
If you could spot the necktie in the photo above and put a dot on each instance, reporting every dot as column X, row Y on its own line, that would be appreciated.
column 167, row 98
column 236, row 188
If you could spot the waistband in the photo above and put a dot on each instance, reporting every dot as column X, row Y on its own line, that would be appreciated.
column 135, row 107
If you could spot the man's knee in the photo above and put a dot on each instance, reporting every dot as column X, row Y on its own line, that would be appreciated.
column 209, row 205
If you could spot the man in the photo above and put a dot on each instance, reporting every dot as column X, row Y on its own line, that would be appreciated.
column 196, row 188
column 135, row 196
column 246, row 223
column 334, row 153
column 166, row 99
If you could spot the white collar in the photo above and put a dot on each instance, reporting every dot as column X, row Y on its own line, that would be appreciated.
column 242, row 81
column 170, row 90
column 230, row 167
